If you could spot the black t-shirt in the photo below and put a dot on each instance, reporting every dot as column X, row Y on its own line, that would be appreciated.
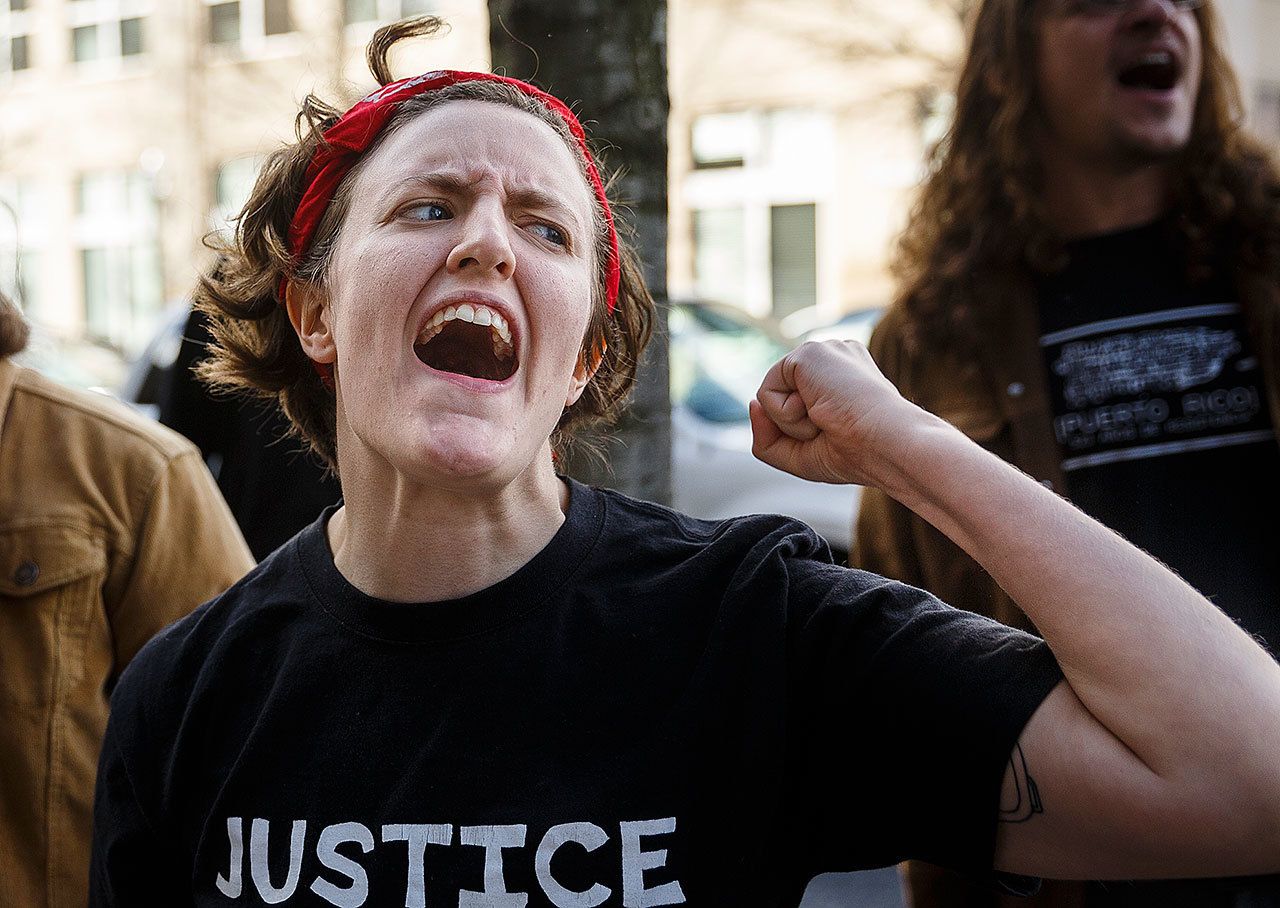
column 1162, row 418
column 654, row 710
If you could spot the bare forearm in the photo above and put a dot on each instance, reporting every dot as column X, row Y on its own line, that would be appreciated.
column 1166, row 672
column 1159, row 753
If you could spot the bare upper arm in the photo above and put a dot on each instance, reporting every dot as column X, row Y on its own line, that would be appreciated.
column 1076, row 803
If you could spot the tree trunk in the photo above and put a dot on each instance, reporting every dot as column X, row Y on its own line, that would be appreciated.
column 607, row 60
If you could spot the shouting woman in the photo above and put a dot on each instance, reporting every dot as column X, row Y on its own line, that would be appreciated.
column 476, row 682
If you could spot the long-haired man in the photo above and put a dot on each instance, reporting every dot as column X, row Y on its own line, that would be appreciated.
column 1090, row 287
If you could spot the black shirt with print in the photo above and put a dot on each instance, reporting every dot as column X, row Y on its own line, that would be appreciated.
column 654, row 710
column 1161, row 416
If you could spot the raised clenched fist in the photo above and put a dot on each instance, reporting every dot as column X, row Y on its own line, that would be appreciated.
column 825, row 412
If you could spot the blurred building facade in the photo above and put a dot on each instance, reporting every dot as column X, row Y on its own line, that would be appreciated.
column 797, row 134
column 132, row 128
column 798, row 129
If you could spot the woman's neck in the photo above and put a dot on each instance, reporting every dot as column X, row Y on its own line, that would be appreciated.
column 409, row 542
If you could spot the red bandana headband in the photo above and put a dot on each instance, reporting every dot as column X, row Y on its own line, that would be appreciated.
column 356, row 130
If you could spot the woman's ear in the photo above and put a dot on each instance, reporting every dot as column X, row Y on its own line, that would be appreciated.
column 309, row 314
column 588, row 363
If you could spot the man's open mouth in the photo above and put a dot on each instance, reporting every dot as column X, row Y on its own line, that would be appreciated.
column 471, row 340
column 1155, row 71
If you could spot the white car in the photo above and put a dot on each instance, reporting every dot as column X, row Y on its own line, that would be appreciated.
column 718, row 356
column 852, row 326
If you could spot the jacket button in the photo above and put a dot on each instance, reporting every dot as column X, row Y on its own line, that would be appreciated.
column 1015, row 389
column 26, row 573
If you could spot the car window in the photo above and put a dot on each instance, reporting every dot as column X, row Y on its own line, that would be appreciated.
column 854, row 326
column 717, row 361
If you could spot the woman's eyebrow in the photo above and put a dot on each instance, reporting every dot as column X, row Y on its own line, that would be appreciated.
column 452, row 183
column 530, row 197
column 440, row 181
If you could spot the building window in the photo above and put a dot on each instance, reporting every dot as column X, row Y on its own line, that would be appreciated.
column 117, row 232
column 19, row 55
column 27, row 283
column 224, row 23
column 752, row 138
column 15, row 36
column 247, row 23
column 122, row 295
column 361, row 11
column 105, row 30
column 275, row 17
column 232, row 184
column 131, row 37
column 23, row 234
column 719, row 244
column 386, row 10
column 84, row 43
column 724, row 139
column 793, row 257
column 721, row 240
column 752, row 191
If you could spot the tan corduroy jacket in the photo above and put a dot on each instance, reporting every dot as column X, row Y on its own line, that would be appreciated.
column 110, row 528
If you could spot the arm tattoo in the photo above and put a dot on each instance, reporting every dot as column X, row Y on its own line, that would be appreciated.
column 1025, row 802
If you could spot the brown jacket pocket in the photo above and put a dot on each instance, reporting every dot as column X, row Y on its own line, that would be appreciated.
column 50, row 586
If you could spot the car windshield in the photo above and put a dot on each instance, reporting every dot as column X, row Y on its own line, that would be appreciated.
column 718, row 357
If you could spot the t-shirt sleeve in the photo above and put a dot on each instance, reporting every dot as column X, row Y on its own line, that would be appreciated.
column 129, row 864
column 904, row 714
column 133, row 861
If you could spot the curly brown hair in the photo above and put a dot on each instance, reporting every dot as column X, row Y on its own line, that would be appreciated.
column 978, row 230
column 257, row 351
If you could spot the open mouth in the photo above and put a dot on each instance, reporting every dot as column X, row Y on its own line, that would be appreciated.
column 471, row 340
column 1157, row 71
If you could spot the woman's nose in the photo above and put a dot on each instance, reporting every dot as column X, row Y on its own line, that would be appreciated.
column 485, row 243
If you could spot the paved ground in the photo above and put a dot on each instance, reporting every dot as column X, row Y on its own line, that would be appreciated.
column 869, row 889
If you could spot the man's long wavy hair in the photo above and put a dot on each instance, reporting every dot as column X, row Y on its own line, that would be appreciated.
column 978, row 231
column 257, row 351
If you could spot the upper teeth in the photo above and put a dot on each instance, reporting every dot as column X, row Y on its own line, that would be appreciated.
column 1158, row 58
column 468, row 312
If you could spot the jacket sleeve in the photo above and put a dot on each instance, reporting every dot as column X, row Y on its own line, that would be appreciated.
column 892, row 541
column 883, row 540
column 188, row 549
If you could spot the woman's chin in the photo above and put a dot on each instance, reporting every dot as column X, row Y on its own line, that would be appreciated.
column 474, row 455
column 463, row 454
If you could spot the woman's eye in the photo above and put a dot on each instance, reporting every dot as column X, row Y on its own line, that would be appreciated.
column 548, row 233
column 428, row 212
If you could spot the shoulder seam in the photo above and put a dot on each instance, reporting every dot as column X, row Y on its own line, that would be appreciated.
column 168, row 448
